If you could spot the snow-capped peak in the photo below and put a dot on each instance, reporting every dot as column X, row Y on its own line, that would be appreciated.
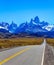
column 49, row 27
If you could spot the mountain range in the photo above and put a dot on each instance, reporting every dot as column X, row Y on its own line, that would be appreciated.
column 35, row 28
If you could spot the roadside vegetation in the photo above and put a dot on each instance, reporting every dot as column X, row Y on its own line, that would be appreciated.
column 50, row 41
column 15, row 42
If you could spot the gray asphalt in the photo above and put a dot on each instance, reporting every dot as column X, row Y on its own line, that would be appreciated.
column 32, row 56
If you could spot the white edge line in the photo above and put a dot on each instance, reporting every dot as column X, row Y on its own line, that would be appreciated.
column 43, row 56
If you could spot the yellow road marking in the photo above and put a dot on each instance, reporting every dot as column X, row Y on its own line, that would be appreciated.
column 14, row 55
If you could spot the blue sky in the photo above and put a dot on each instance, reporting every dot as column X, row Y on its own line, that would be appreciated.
column 23, row 10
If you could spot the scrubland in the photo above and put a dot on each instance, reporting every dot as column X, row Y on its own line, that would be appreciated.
column 50, row 41
column 15, row 42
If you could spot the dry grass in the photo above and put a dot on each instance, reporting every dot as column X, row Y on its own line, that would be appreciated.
column 50, row 41
column 14, row 42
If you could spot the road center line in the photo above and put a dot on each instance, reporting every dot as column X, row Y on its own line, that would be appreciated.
column 14, row 55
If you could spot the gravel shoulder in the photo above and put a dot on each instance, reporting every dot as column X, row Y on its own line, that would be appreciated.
column 49, row 55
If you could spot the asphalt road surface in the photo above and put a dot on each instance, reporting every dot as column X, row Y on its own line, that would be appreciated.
column 26, row 55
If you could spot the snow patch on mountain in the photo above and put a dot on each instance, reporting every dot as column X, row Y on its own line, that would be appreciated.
column 49, row 27
column 3, row 28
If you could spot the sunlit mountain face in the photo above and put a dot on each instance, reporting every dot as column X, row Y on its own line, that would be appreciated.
column 35, row 28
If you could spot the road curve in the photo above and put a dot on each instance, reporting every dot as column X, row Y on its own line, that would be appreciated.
column 26, row 55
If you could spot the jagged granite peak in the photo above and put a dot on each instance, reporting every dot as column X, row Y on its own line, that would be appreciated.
column 35, row 26
column 43, row 23
column 23, row 24
column 12, row 27
column 4, row 24
column 13, row 24
column 36, row 19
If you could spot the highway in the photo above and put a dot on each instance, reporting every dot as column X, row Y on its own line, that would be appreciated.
column 26, row 55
